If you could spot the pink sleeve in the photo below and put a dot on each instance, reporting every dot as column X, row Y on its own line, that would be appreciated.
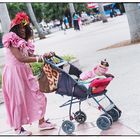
column 86, row 75
column 11, row 39
column 31, row 47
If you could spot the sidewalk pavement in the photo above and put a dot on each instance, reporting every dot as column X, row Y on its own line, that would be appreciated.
column 57, row 115
column 124, row 89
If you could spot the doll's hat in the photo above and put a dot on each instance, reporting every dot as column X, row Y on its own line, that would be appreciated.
column 105, row 63
column 20, row 18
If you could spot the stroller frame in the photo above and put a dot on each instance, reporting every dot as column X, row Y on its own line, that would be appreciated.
column 111, row 114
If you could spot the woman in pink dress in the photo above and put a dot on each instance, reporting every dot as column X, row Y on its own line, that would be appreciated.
column 23, row 100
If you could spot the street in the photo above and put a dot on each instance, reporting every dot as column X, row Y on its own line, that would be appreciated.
column 124, row 65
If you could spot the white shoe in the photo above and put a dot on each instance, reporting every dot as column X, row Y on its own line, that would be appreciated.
column 23, row 132
column 46, row 126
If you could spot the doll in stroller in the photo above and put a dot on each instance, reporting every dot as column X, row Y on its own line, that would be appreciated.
column 78, row 92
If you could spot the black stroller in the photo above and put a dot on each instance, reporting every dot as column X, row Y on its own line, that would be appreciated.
column 78, row 92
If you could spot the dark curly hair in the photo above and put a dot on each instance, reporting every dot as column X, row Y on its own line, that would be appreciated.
column 28, row 31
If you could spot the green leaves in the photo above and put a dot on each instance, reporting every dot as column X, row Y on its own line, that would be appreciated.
column 36, row 68
column 14, row 8
column 45, row 10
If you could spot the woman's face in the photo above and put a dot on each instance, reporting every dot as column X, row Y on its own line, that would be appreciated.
column 22, row 31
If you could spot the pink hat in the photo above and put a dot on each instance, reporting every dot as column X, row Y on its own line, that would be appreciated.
column 20, row 17
column 100, row 69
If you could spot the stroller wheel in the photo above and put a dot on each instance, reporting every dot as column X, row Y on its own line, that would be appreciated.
column 114, row 113
column 103, row 122
column 80, row 117
column 68, row 127
column 120, row 112
column 109, row 116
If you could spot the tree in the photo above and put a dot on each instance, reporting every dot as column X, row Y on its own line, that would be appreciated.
column 33, row 18
column 79, row 7
column 4, row 18
column 72, row 9
column 133, row 16
column 14, row 8
column 38, row 11
column 101, row 9
column 54, row 11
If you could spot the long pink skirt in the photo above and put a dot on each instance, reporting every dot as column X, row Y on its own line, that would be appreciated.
column 23, row 100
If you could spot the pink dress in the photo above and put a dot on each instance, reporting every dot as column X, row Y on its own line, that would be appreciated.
column 24, row 102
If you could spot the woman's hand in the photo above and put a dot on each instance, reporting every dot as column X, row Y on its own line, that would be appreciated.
column 48, row 55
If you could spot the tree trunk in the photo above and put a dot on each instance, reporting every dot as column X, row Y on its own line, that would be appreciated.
column 33, row 18
column 133, row 16
column 4, row 18
column 101, row 9
column 72, row 9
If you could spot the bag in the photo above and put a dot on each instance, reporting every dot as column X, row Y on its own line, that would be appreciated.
column 70, row 87
column 48, row 79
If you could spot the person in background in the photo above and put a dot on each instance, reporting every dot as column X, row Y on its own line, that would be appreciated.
column 65, row 19
column 23, row 100
column 75, row 21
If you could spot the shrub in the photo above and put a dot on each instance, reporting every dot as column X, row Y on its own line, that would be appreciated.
column 68, row 57
column 36, row 67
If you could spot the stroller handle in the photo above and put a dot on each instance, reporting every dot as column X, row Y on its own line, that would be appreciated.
column 51, row 62
column 58, row 57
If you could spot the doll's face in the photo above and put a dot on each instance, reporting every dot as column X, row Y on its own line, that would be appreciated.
column 102, row 67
